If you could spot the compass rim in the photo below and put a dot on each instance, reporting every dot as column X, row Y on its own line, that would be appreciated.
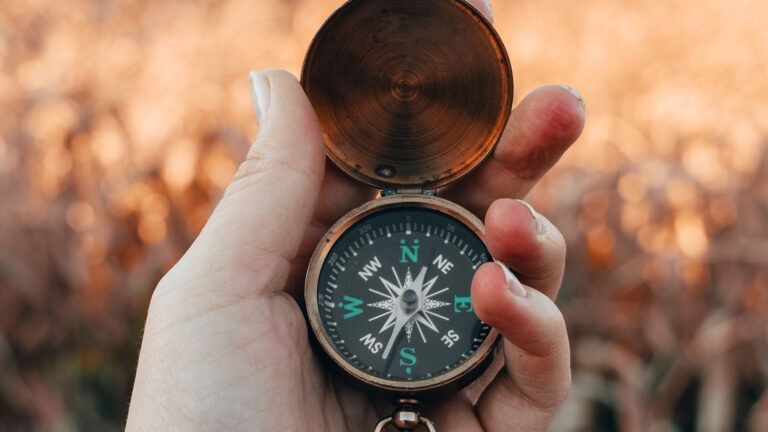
column 475, row 364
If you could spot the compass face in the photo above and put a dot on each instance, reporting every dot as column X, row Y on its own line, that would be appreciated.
column 393, row 296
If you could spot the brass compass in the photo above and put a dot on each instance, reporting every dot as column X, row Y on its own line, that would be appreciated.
column 411, row 96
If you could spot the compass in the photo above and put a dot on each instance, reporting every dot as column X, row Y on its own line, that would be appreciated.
column 411, row 96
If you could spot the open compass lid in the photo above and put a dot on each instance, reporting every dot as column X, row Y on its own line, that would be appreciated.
column 409, row 94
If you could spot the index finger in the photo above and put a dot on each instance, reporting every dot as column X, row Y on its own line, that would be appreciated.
column 541, row 128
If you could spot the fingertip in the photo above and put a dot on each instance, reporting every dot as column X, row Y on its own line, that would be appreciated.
column 527, row 318
column 288, row 127
column 282, row 75
column 560, row 111
column 290, row 102
column 511, row 225
column 483, row 283
column 490, row 294
column 542, row 127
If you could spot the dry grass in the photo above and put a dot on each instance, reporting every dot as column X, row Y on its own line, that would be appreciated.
column 122, row 121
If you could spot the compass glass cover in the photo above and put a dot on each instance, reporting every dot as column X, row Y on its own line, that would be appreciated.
column 394, row 294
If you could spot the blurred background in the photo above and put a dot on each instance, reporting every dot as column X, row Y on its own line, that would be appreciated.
column 122, row 121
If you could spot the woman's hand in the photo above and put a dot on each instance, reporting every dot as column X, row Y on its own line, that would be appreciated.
column 226, row 346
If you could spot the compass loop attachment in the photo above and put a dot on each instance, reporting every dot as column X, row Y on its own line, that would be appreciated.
column 406, row 418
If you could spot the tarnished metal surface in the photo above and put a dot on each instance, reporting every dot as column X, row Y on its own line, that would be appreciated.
column 408, row 93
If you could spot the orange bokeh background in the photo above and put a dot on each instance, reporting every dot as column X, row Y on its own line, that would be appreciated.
column 123, row 122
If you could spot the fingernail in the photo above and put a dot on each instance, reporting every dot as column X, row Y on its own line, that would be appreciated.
column 576, row 93
column 260, row 95
column 536, row 217
column 513, row 283
column 488, row 6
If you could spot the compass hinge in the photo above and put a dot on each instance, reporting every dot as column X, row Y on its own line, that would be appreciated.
column 415, row 191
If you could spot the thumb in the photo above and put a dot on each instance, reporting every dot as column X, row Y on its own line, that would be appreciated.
column 259, row 223
column 537, row 374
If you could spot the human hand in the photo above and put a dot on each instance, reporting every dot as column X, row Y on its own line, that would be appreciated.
column 226, row 346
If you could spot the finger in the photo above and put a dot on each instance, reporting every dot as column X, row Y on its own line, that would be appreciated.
column 541, row 128
column 537, row 375
column 526, row 241
column 259, row 223
column 338, row 195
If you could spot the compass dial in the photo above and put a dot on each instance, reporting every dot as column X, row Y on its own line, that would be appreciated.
column 393, row 295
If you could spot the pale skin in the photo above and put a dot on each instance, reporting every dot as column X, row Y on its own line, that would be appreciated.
column 226, row 346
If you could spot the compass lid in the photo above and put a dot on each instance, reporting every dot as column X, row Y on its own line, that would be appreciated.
column 409, row 94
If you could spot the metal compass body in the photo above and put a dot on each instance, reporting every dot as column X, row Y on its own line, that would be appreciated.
column 411, row 96
column 393, row 294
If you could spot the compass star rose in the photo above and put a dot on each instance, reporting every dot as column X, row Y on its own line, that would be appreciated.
column 391, row 302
